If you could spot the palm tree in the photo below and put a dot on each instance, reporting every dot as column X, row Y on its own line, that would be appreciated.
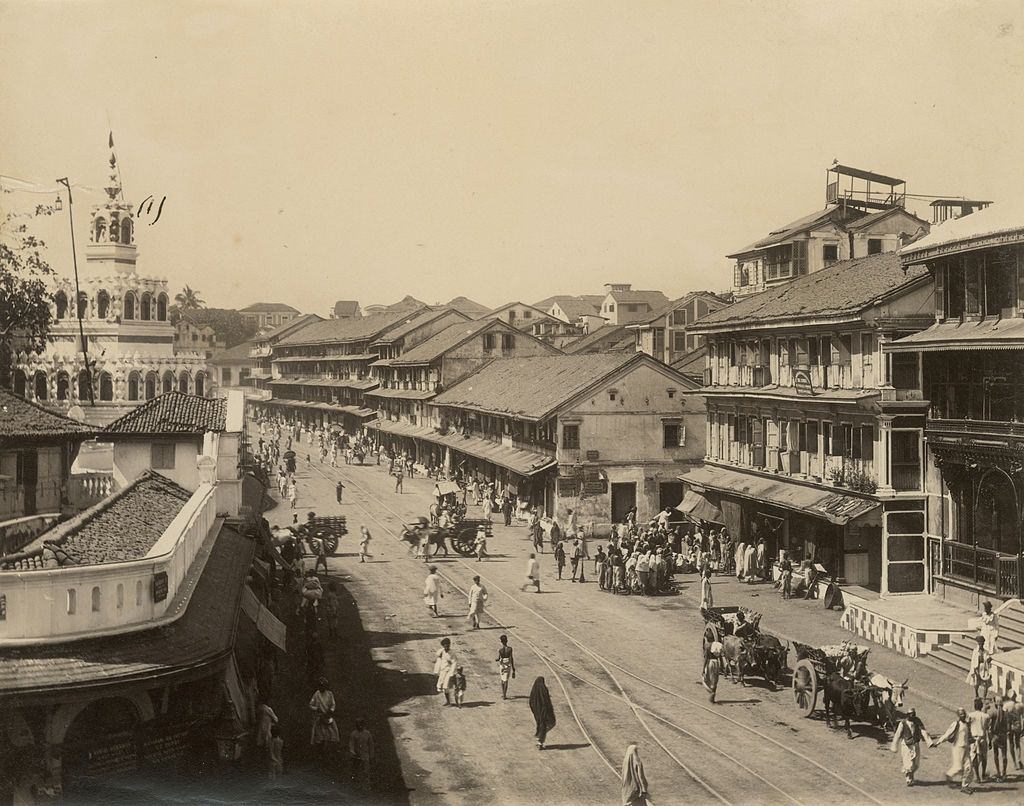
column 189, row 299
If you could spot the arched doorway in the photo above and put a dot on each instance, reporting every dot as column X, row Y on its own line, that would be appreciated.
column 84, row 385
column 84, row 731
column 996, row 525
column 83, row 305
column 102, row 305
column 60, row 300
column 184, row 382
column 161, row 307
column 145, row 306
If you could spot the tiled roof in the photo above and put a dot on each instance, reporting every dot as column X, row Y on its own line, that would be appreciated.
column 672, row 305
column 530, row 387
column 516, row 303
column 844, row 288
column 21, row 420
column 419, row 320
column 439, row 343
column 653, row 298
column 203, row 635
column 270, row 307
column 802, row 224
column 547, row 302
column 291, row 326
column 123, row 526
column 465, row 305
column 605, row 335
column 575, row 308
column 1003, row 218
column 692, row 364
column 173, row 413
column 239, row 354
column 336, row 330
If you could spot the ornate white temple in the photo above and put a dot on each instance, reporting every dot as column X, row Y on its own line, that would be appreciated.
column 129, row 338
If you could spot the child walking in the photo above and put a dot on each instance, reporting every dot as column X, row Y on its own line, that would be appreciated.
column 364, row 544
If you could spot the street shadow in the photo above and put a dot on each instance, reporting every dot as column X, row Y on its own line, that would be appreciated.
column 566, row 746
column 477, row 704
column 382, row 638
column 749, row 701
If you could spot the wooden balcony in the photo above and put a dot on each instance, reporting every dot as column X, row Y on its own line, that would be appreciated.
column 989, row 570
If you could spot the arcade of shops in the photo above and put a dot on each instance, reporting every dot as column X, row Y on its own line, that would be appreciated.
column 528, row 474
column 315, row 414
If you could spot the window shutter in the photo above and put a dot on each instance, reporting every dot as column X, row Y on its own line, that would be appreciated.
column 940, row 291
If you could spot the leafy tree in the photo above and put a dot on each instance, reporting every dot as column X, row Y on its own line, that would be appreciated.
column 189, row 299
column 25, row 299
column 229, row 323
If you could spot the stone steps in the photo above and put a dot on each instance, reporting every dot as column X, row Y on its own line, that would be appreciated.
column 954, row 658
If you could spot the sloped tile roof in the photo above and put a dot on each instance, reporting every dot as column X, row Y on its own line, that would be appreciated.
column 123, row 526
column 672, row 305
column 842, row 289
column 441, row 342
column 547, row 302
column 21, row 419
column 607, row 336
column 470, row 307
column 337, row 330
column 291, row 326
column 419, row 320
column 530, row 387
column 173, row 413
column 575, row 308
column 653, row 298
column 233, row 355
column 274, row 307
column 802, row 224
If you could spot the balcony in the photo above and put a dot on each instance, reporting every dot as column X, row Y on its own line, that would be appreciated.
column 87, row 489
column 998, row 573
column 975, row 428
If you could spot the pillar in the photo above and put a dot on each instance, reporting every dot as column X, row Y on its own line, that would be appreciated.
column 882, row 451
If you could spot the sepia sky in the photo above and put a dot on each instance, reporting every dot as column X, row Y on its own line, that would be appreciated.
column 501, row 150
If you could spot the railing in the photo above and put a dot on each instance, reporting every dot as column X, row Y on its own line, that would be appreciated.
column 17, row 533
column 90, row 488
column 55, row 604
column 980, row 427
column 995, row 572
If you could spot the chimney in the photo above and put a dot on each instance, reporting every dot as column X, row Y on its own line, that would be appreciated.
column 609, row 287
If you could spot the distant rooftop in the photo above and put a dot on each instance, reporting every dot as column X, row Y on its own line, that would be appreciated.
column 269, row 307
column 173, row 413
column 329, row 331
column 21, row 420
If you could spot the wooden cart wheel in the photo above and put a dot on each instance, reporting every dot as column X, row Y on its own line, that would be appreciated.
column 710, row 636
column 805, row 687
column 328, row 536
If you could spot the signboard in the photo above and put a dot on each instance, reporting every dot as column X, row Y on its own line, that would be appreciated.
column 568, row 487
column 598, row 487
column 593, row 456
column 802, row 382
column 159, row 586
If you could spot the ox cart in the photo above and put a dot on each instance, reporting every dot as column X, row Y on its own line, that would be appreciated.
column 840, row 675
column 328, row 528
column 462, row 536
column 749, row 652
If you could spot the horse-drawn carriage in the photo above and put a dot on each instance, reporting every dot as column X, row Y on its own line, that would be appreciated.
column 745, row 649
column 839, row 672
column 461, row 535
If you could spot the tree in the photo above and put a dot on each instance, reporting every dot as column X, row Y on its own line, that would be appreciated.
column 25, row 299
column 229, row 324
column 189, row 299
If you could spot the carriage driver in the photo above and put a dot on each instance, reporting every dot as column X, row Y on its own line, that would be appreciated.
column 847, row 665
column 743, row 628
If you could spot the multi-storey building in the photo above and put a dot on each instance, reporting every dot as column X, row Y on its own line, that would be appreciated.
column 814, row 440
column 121, row 316
column 623, row 306
column 595, row 433
column 969, row 368
column 323, row 370
column 410, row 379
column 266, row 315
column 261, row 351
column 192, row 337
column 858, row 220
column 664, row 333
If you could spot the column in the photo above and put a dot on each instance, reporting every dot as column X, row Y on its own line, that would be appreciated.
column 882, row 453
column 711, row 423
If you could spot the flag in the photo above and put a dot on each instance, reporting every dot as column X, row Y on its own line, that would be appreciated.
column 111, row 139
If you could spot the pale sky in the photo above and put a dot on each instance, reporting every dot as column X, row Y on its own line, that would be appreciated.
column 501, row 150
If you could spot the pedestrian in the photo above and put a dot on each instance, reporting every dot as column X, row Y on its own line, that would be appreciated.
column 477, row 597
column 532, row 574
column 275, row 754
column 444, row 668
column 989, row 627
column 338, row 488
column 324, row 735
column 458, row 686
column 292, row 494
column 643, row 572
column 543, row 710
column 506, row 665
column 979, row 720
column 998, row 730
column 320, row 547
column 480, row 543
column 959, row 736
column 707, row 597
column 907, row 740
column 979, row 674
column 332, row 609
column 577, row 561
column 364, row 544
column 1015, row 718
column 560, row 557
column 267, row 719
column 537, row 533
column 713, row 668
column 432, row 593
column 398, row 479
column 634, row 780
column 786, row 575
column 555, row 534
column 361, row 755
column 571, row 528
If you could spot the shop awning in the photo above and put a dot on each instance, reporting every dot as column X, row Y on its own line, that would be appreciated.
column 698, row 508
column 988, row 334
column 835, row 507
column 518, row 460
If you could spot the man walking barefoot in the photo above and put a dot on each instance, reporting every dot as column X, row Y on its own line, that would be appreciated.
column 532, row 574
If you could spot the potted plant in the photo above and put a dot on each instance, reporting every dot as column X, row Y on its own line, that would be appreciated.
column 837, row 475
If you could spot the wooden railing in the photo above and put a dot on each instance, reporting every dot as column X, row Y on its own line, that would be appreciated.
column 991, row 570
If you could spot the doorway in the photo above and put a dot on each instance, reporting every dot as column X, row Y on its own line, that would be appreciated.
column 623, row 500
column 670, row 494
column 29, row 479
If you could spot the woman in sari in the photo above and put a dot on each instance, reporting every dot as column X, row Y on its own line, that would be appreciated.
column 324, row 736
column 634, row 781
column 543, row 710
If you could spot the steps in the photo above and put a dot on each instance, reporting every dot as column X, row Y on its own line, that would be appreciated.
column 954, row 658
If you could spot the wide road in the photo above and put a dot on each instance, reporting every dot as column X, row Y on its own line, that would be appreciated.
column 620, row 670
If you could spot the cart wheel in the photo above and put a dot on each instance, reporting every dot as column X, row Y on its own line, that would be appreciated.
column 327, row 535
column 805, row 687
column 710, row 636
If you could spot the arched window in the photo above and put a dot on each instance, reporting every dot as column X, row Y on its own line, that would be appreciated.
column 161, row 307
column 99, row 229
column 138, row 593
column 126, row 230
column 120, row 595
column 106, row 386
column 134, row 382
column 19, row 382
column 103, row 305
column 84, row 385
column 200, row 384
column 995, row 514
column 129, row 305
column 96, row 599
column 150, row 385
column 63, row 386
column 183, row 381
column 72, row 603
column 41, row 390
column 83, row 305
column 60, row 299
column 145, row 305
column 168, row 384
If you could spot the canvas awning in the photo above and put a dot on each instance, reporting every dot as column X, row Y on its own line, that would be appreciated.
column 697, row 507
column 836, row 507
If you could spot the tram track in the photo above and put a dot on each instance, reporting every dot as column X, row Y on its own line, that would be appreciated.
column 769, row 750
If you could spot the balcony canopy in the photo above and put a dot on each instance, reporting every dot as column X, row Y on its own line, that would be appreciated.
column 994, row 333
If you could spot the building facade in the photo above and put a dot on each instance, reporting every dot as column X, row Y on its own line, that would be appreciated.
column 267, row 315
column 664, row 334
column 623, row 306
column 815, row 441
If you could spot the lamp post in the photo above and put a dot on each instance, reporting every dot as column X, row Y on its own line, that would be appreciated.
column 78, row 290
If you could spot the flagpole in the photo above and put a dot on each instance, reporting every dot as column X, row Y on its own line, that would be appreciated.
column 78, row 293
